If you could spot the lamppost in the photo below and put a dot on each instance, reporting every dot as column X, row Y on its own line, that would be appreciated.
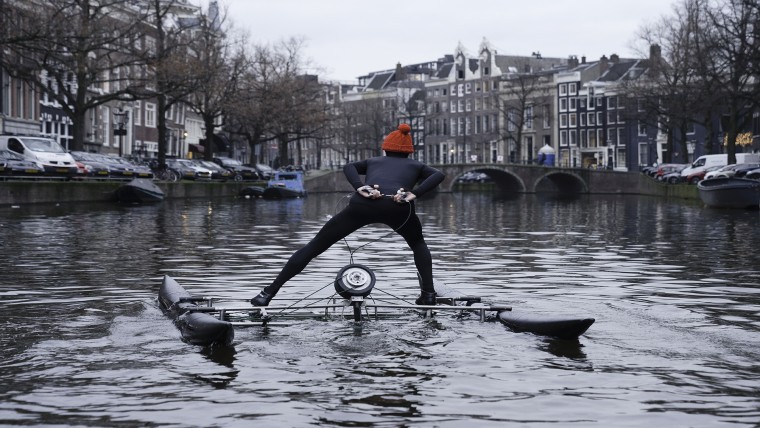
column 120, row 117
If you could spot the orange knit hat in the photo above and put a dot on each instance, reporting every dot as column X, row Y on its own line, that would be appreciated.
column 399, row 140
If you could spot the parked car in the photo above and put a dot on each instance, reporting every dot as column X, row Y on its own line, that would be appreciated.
column 672, row 177
column 46, row 152
column 265, row 171
column 218, row 172
column 649, row 170
column 738, row 170
column 698, row 175
column 93, row 167
column 122, row 168
column 474, row 177
column 667, row 168
column 241, row 171
column 753, row 174
column 188, row 169
column 14, row 165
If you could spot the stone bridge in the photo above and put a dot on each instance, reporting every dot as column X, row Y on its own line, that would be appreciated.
column 518, row 178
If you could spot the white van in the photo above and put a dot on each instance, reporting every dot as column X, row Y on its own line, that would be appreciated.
column 706, row 161
column 46, row 152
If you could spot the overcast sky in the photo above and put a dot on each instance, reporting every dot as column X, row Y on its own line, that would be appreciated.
column 347, row 39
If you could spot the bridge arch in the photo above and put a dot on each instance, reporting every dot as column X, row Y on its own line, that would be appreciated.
column 505, row 180
column 563, row 182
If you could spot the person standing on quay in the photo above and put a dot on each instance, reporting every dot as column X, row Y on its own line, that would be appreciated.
column 371, row 203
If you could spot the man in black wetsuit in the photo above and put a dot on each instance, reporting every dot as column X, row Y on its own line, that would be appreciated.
column 384, row 175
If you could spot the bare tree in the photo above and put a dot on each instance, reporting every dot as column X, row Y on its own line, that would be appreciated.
column 77, row 52
column 521, row 96
column 278, row 101
column 666, row 95
column 217, row 62
column 731, row 50
column 169, row 76
column 297, row 102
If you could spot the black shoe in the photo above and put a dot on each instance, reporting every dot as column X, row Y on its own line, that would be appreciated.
column 427, row 298
column 262, row 299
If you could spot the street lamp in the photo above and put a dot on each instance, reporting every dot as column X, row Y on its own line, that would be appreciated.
column 120, row 118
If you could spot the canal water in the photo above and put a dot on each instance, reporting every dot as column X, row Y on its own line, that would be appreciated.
column 674, row 288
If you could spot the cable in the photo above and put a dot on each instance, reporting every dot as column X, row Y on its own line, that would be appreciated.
column 350, row 252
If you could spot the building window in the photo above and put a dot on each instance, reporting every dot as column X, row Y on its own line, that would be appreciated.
column 563, row 89
column 591, row 119
column 562, row 138
column 611, row 116
column 612, row 102
column 529, row 118
column 511, row 126
column 563, row 121
column 546, row 116
column 592, row 138
column 573, row 104
column 583, row 119
column 642, row 129
column 584, row 138
column 572, row 89
column 563, row 104
column 150, row 115
column 573, row 137
column 599, row 118
column 573, row 120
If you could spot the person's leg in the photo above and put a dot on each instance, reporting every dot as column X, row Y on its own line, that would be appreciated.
column 337, row 228
column 411, row 231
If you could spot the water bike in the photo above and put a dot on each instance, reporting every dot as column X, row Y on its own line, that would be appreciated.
column 207, row 321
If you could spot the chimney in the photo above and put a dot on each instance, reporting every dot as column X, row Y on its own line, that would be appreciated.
column 614, row 58
column 655, row 53
column 604, row 64
column 572, row 61
column 400, row 73
column 583, row 59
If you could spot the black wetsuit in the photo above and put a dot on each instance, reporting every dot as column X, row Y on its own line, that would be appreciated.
column 390, row 173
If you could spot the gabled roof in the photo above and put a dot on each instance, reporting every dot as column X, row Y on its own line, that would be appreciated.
column 616, row 71
column 379, row 80
column 445, row 70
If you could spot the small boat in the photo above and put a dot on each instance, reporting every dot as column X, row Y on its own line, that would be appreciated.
column 201, row 322
column 252, row 192
column 139, row 190
column 285, row 185
column 196, row 326
column 730, row 192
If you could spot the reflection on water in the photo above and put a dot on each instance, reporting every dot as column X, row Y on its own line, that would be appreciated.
column 673, row 286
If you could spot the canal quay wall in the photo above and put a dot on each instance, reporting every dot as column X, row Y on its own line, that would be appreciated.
column 24, row 192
